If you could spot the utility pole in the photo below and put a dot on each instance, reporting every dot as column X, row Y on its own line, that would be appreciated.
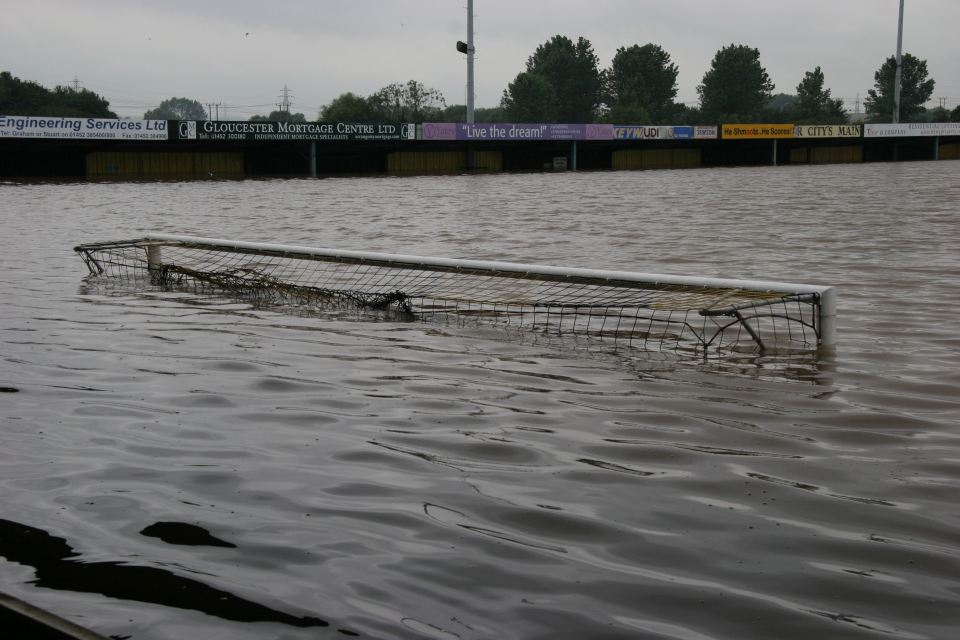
column 897, row 81
column 470, row 51
column 468, row 48
column 75, row 83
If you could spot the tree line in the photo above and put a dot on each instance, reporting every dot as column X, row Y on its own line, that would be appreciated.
column 563, row 82
column 25, row 98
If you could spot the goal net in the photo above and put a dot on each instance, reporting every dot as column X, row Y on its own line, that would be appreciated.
column 638, row 309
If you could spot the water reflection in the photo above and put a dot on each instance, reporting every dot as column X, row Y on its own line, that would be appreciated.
column 57, row 567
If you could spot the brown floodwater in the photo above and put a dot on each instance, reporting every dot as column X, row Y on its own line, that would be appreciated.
column 175, row 465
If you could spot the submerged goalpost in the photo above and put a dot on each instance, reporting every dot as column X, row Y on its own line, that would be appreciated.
column 640, row 309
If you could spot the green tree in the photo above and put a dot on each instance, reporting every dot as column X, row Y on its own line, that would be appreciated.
column 569, row 72
column 21, row 98
column 348, row 107
column 78, row 103
column 25, row 98
column 640, row 85
column 685, row 115
column 458, row 113
column 815, row 105
column 916, row 89
column 781, row 107
column 177, row 109
column 955, row 114
column 736, row 87
column 530, row 98
column 407, row 102
column 937, row 114
column 280, row 116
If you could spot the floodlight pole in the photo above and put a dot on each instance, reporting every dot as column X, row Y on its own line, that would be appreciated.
column 897, row 81
column 469, row 61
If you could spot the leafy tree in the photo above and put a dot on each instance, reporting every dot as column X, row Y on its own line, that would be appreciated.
column 488, row 114
column 21, row 98
column 78, row 103
column 641, row 85
column 177, row 109
column 530, row 98
column 955, row 114
column 736, row 87
column 458, row 113
column 781, row 107
column 407, row 102
column 25, row 98
column 814, row 104
column 566, row 70
column 348, row 107
column 916, row 89
column 685, row 115
column 937, row 114
column 280, row 116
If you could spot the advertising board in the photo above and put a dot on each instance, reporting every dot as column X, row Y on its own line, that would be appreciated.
column 642, row 132
column 827, row 131
column 252, row 131
column 514, row 131
column 757, row 131
column 81, row 128
column 911, row 129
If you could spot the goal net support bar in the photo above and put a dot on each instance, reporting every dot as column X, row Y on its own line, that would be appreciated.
column 639, row 308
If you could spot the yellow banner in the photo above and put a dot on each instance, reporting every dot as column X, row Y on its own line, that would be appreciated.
column 757, row 131
column 827, row 131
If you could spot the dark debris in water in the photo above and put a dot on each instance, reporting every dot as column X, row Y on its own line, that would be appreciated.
column 9, row 390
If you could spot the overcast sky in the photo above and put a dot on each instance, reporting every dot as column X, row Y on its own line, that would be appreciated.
column 241, row 53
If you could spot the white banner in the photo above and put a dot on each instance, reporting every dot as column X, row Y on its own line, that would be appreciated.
column 81, row 128
column 826, row 131
column 911, row 129
column 701, row 132
column 641, row 132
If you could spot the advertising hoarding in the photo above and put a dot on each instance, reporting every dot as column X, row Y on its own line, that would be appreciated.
column 81, row 128
column 515, row 131
column 757, row 131
column 827, row 131
column 252, row 131
column 642, row 132
column 911, row 129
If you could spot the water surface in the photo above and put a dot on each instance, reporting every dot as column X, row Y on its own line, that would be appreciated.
column 179, row 465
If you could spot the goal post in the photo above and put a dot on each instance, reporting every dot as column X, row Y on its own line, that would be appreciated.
column 622, row 305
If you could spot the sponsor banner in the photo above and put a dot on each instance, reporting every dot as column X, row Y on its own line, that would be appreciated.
column 757, row 131
column 643, row 132
column 827, row 131
column 510, row 131
column 911, row 129
column 81, row 128
column 249, row 131
column 702, row 132
column 699, row 132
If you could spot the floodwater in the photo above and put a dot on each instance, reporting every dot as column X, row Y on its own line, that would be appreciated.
column 176, row 466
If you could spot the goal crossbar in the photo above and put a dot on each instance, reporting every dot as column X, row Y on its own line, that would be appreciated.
column 619, row 304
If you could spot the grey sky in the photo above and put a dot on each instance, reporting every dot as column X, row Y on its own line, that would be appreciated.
column 241, row 53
